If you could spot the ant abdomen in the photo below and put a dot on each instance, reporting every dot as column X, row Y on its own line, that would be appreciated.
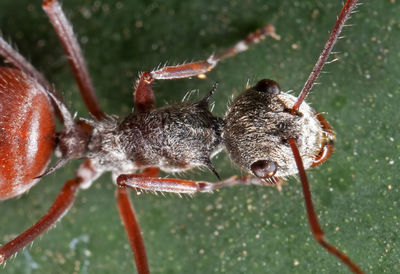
column 27, row 132
column 257, row 126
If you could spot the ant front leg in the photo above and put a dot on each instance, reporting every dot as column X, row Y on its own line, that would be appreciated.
column 144, row 96
column 65, row 198
column 147, row 181
column 180, row 186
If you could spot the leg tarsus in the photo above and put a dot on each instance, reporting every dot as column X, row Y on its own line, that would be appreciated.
column 252, row 38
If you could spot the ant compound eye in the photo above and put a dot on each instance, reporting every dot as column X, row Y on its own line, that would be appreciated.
column 267, row 86
column 264, row 168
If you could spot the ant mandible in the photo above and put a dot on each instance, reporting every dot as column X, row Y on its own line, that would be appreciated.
column 290, row 136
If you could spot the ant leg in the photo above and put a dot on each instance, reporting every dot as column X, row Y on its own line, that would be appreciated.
column 323, row 57
column 180, row 186
column 144, row 97
column 146, row 181
column 131, row 224
column 201, row 67
column 312, row 218
column 74, row 55
column 132, row 230
column 59, row 208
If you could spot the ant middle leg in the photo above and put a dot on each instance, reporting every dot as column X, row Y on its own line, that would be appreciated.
column 144, row 96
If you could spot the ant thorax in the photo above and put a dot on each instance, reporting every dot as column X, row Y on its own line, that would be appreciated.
column 174, row 138
column 257, row 126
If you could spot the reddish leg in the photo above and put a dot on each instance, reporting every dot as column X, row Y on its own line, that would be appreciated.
column 312, row 218
column 60, row 207
column 74, row 55
column 132, row 230
column 131, row 224
column 180, row 186
column 144, row 97
column 343, row 16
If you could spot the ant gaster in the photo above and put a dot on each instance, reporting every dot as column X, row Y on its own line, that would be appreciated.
column 266, row 132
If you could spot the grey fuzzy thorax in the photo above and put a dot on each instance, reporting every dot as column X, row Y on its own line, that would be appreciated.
column 174, row 138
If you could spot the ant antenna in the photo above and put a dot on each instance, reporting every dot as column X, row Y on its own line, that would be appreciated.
column 343, row 16
column 312, row 218
column 316, row 230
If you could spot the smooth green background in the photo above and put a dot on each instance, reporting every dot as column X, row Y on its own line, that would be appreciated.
column 243, row 229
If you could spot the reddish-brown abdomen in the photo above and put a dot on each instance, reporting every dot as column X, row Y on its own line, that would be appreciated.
column 27, row 132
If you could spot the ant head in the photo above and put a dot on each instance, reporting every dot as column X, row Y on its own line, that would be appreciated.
column 257, row 126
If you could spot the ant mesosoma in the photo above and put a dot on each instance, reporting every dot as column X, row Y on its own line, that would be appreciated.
column 290, row 136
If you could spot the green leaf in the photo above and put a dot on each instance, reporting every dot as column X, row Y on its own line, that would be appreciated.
column 243, row 229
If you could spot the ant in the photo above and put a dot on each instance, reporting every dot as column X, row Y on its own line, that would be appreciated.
column 291, row 137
